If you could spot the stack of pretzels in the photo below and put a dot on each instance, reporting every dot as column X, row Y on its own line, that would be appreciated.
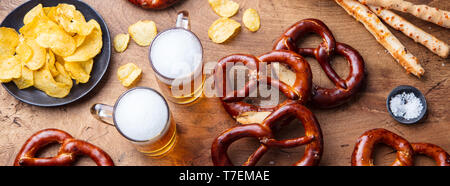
column 299, row 93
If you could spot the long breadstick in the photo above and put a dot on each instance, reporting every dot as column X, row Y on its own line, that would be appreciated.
column 383, row 35
column 418, row 35
column 425, row 12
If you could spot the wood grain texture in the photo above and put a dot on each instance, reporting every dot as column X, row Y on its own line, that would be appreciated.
column 199, row 124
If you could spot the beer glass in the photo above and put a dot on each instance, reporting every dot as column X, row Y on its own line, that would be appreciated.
column 142, row 116
column 176, row 56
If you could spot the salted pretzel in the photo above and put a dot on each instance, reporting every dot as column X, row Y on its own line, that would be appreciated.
column 264, row 132
column 70, row 149
column 233, row 101
column 405, row 151
column 345, row 89
column 153, row 4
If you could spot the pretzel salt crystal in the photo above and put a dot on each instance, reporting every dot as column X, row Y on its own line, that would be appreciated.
column 425, row 12
column 418, row 35
column 383, row 35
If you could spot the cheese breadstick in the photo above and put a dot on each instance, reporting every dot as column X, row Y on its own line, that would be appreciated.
column 425, row 12
column 418, row 35
column 383, row 35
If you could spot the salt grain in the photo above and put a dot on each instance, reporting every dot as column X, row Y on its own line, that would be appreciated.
column 405, row 105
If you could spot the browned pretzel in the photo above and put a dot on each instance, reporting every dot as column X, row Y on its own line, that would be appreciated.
column 441, row 157
column 153, row 4
column 232, row 100
column 264, row 132
column 345, row 89
column 70, row 148
column 405, row 151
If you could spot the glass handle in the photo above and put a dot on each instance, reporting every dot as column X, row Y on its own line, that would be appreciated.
column 103, row 113
column 183, row 20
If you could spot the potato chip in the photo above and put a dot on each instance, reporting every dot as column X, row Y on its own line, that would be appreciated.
column 39, row 56
column 88, row 65
column 26, row 80
column 129, row 74
column 251, row 20
column 224, row 8
column 50, row 59
column 67, row 17
column 91, row 46
column 79, row 39
column 121, row 42
column 79, row 71
column 143, row 32
column 10, row 68
column 223, row 29
column 9, row 39
column 44, row 81
column 37, row 11
column 49, row 35
column 23, row 51
column 48, row 10
column 94, row 24
column 61, row 43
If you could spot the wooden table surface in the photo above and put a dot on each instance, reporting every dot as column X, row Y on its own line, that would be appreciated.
column 199, row 124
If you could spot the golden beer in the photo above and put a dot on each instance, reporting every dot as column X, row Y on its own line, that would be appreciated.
column 176, row 56
column 142, row 116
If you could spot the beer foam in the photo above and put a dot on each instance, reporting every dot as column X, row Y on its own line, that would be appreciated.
column 141, row 114
column 176, row 53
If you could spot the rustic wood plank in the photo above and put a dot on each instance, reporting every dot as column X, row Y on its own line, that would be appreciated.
column 199, row 124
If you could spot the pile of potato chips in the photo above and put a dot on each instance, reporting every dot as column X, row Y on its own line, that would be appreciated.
column 226, row 28
column 54, row 46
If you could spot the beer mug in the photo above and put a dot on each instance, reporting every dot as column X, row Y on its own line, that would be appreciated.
column 176, row 56
column 142, row 116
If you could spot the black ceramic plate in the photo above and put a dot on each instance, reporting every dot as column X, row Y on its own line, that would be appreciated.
column 407, row 89
column 101, row 61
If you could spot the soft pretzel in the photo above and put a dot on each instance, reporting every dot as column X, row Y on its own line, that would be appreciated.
column 246, row 113
column 324, row 53
column 383, row 35
column 264, row 132
column 441, row 157
column 418, row 35
column 424, row 12
column 405, row 151
column 70, row 148
column 153, row 4
column 332, row 97
column 288, row 41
